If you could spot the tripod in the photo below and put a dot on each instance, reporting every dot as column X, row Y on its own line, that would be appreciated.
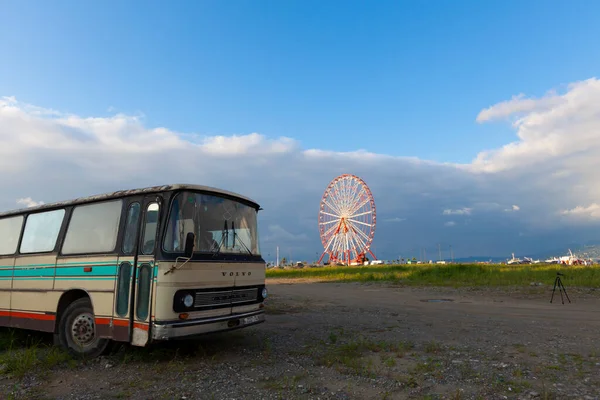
column 561, row 288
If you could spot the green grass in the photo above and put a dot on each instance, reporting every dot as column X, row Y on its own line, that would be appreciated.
column 23, row 352
column 28, row 353
column 457, row 275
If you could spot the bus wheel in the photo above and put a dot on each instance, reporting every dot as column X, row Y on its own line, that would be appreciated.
column 77, row 331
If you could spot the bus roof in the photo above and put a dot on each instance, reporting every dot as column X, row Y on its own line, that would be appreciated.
column 131, row 192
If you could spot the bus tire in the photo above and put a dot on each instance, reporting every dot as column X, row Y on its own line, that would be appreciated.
column 77, row 331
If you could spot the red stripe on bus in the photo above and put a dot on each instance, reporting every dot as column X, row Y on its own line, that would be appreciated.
column 19, row 314
column 140, row 326
column 102, row 321
column 120, row 322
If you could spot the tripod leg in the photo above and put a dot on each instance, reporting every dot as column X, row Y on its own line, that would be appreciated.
column 565, row 290
column 554, row 289
column 560, row 290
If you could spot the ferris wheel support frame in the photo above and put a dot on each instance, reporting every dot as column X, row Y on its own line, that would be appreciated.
column 325, row 252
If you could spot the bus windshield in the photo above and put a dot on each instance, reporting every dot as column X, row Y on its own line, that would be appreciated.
column 221, row 225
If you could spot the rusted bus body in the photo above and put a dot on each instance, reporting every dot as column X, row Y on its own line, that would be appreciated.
column 113, row 267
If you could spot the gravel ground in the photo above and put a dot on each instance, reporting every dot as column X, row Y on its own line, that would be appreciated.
column 353, row 341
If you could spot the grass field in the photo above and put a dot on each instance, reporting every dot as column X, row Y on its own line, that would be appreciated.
column 457, row 275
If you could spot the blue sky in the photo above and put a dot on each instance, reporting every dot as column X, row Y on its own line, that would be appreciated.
column 393, row 78
column 401, row 78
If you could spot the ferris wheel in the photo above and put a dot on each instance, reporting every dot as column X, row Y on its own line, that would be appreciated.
column 347, row 220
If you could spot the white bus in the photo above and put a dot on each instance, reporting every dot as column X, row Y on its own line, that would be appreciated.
column 134, row 266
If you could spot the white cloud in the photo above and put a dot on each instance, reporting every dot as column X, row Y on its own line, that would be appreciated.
column 396, row 219
column 450, row 223
column 29, row 202
column 462, row 211
column 253, row 143
column 558, row 130
column 549, row 171
column 518, row 105
column 590, row 212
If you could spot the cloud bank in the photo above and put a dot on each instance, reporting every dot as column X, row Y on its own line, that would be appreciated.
column 532, row 194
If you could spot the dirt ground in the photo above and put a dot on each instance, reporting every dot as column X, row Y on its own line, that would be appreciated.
column 361, row 341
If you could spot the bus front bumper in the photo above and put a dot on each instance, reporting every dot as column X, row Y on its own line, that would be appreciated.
column 183, row 329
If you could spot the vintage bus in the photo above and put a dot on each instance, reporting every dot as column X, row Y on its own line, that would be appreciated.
column 134, row 266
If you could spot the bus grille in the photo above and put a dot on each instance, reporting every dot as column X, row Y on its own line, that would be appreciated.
column 225, row 297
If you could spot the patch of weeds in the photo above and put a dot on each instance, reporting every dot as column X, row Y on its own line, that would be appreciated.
column 141, row 384
column 36, row 357
column 304, row 351
column 350, row 355
column 432, row 347
column 408, row 381
column 426, row 367
column 562, row 358
column 284, row 382
column 517, row 373
column 123, row 395
column 517, row 386
column 577, row 358
column 11, row 339
column 332, row 337
column 519, row 347
column 467, row 371
column 525, row 384
column 389, row 361
column 546, row 393
column 404, row 347
column 457, row 395
column 267, row 347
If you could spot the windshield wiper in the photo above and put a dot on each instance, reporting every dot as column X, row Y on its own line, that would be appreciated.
column 224, row 238
column 241, row 241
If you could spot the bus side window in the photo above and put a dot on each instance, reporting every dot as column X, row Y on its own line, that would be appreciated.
column 131, row 228
column 123, row 289
column 93, row 228
column 150, row 224
column 41, row 231
column 10, row 230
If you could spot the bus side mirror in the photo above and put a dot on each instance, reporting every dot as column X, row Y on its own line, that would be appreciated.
column 189, row 244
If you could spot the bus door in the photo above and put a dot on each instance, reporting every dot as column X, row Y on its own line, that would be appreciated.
column 145, row 271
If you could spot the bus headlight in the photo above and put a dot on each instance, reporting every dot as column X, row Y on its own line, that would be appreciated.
column 188, row 300
column 264, row 293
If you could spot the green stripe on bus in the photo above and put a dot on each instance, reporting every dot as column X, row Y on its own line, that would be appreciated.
column 19, row 272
